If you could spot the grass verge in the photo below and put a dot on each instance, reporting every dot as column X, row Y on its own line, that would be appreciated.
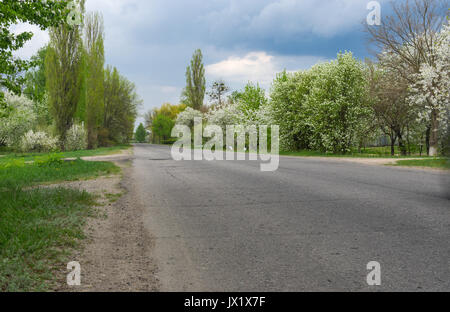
column 38, row 230
column 22, row 175
column 428, row 163
column 8, row 156
column 39, row 227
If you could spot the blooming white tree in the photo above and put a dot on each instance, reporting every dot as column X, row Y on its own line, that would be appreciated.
column 431, row 91
column 17, row 119
column 38, row 142
column 76, row 138
column 187, row 117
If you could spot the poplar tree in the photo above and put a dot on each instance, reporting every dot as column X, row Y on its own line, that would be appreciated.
column 94, row 61
column 63, row 74
column 194, row 93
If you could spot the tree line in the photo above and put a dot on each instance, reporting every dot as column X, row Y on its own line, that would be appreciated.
column 400, row 98
column 68, row 91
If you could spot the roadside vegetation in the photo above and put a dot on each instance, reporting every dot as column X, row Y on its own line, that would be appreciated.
column 63, row 103
column 440, row 163
column 396, row 105
column 40, row 227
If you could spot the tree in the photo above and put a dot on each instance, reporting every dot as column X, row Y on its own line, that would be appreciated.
column 218, row 91
column 194, row 93
column 167, row 109
column 162, row 127
column 410, row 33
column 19, row 120
column 95, row 59
column 389, row 93
column 44, row 14
column 251, row 98
column 431, row 90
column 121, row 104
column 325, row 108
column 63, row 74
column 35, row 87
column 141, row 133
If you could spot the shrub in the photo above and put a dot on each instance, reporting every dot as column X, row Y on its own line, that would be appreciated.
column 76, row 138
column 38, row 142
column 18, row 118
column 52, row 160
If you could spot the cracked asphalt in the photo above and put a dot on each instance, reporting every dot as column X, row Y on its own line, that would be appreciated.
column 313, row 225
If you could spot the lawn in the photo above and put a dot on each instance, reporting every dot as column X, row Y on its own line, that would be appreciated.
column 39, row 227
column 441, row 163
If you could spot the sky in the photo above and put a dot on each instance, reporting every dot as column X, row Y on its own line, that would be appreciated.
column 151, row 41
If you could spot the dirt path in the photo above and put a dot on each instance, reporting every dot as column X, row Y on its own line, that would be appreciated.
column 116, row 255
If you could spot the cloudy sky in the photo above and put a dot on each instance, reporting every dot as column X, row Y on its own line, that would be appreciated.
column 152, row 41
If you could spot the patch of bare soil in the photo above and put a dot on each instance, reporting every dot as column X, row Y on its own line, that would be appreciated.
column 115, row 257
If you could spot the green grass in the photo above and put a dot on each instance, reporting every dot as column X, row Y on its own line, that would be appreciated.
column 17, row 174
column 39, row 229
column 372, row 152
column 77, row 154
column 429, row 163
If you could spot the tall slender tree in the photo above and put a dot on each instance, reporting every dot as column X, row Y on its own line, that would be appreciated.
column 63, row 74
column 194, row 92
column 94, row 61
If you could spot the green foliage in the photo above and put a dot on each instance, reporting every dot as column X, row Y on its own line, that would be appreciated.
column 250, row 99
column 63, row 74
column 194, row 92
column 141, row 133
column 121, row 105
column 162, row 127
column 44, row 14
column 35, row 88
column 95, row 59
column 50, row 160
column 325, row 108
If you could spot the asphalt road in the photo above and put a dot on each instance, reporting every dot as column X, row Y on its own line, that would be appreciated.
column 313, row 225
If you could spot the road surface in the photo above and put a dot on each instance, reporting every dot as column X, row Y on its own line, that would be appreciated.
column 313, row 225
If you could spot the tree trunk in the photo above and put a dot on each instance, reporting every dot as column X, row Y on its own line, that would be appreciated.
column 401, row 144
column 393, row 139
column 427, row 140
column 434, row 135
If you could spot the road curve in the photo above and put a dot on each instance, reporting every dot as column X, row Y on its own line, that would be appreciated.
column 313, row 225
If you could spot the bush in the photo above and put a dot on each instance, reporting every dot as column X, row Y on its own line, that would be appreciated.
column 38, row 142
column 15, row 120
column 76, row 138
column 52, row 160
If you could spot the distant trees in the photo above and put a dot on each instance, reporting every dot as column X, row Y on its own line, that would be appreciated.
column 251, row 98
column 218, row 92
column 141, row 133
column 162, row 127
column 63, row 74
column 121, row 104
column 170, row 112
column 194, row 93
